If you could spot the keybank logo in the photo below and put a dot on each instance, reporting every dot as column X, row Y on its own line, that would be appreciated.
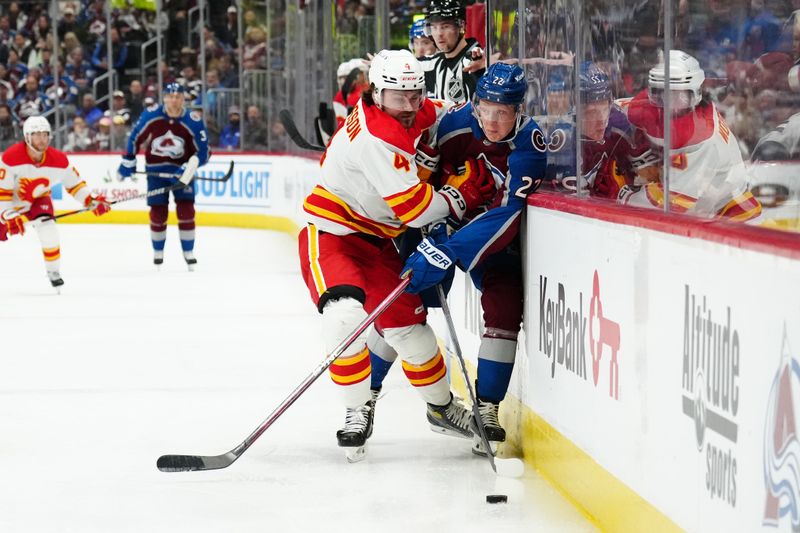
column 563, row 339
column 711, row 390
column 781, row 447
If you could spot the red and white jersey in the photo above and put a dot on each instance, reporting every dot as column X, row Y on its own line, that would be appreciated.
column 369, row 177
column 22, row 181
column 707, row 174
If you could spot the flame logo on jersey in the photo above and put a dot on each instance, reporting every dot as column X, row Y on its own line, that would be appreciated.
column 30, row 189
column 168, row 145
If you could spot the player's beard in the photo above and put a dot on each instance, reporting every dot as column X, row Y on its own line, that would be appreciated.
column 406, row 118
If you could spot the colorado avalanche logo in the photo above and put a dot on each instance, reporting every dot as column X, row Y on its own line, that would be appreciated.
column 781, row 445
column 168, row 145
column 497, row 174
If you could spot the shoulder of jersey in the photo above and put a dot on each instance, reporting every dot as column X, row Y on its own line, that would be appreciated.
column 530, row 137
column 16, row 155
column 458, row 117
column 154, row 111
column 196, row 116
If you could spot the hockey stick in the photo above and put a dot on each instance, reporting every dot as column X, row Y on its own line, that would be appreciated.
column 502, row 467
column 187, row 463
column 184, row 180
column 291, row 129
column 222, row 179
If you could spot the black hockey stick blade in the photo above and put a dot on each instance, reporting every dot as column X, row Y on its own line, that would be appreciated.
column 291, row 129
column 192, row 463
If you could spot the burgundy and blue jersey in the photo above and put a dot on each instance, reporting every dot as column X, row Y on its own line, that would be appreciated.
column 518, row 166
column 169, row 142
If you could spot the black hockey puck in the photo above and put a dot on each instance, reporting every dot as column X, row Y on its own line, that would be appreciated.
column 496, row 498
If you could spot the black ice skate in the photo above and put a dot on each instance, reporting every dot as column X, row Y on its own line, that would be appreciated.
column 357, row 429
column 495, row 433
column 188, row 256
column 55, row 281
column 451, row 419
column 158, row 258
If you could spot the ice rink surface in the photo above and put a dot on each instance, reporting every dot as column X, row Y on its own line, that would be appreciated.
column 129, row 363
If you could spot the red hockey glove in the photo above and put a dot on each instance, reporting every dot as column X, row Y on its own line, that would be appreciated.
column 98, row 204
column 470, row 189
column 15, row 226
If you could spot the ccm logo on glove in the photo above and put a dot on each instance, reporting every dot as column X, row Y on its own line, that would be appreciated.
column 433, row 255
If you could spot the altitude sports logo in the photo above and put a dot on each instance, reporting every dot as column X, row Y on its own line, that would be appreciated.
column 781, row 445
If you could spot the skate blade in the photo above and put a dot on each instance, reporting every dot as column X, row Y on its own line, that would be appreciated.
column 479, row 449
column 449, row 432
column 190, row 267
column 355, row 454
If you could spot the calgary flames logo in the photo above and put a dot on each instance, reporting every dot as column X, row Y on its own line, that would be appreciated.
column 30, row 189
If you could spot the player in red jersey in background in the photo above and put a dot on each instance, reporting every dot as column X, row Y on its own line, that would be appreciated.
column 369, row 193
column 28, row 172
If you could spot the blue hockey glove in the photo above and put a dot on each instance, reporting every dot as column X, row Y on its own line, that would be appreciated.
column 428, row 265
column 126, row 167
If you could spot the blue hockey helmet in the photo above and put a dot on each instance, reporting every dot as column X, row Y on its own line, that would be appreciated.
column 557, row 84
column 173, row 88
column 503, row 84
column 417, row 29
column 594, row 84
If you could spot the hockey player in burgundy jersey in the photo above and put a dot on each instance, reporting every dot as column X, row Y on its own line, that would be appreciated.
column 492, row 132
column 169, row 134
column 370, row 192
column 28, row 172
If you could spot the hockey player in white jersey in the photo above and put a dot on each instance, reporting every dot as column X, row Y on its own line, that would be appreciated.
column 369, row 193
column 28, row 172
column 707, row 174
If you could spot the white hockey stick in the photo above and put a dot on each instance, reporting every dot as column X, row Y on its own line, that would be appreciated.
column 184, row 180
column 187, row 463
column 503, row 467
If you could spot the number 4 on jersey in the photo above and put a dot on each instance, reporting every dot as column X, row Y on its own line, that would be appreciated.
column 400, row 161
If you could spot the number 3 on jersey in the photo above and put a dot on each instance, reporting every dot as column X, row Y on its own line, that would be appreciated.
column 401, row 161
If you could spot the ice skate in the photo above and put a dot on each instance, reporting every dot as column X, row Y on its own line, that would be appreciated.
column 55, row 281
column 357, row 429
column 451, row 419
column 495, row 434
column 190, row 260
column 158, row 258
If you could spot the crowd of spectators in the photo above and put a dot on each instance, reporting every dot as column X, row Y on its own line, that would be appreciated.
column 89, row 118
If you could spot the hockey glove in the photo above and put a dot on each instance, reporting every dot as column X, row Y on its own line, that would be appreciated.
column 470, row 189
column 98, row 204
column 428, row 266
column 427, row 159
column 14, row 226
column 126, row 167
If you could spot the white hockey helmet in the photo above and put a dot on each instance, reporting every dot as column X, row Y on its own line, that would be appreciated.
column 34, row 125
column 343, row 70
column 396, row 69
column 685, row 74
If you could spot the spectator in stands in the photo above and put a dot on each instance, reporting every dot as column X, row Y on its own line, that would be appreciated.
column 215, row 100
column 212, row 127
column 279, row 141
column 22, row 46
column 188, row 58
column 5, row 29
column 256, row 134
column 135, row 100
column 119, row 53
column 31, row 101
column 7, row 92
column 229, row 138
column 9, row 131
column 68, row 23
column 642, row 56
column 42, row 29
column 215, row 48
column 78, row 67
column 119, row 109
column 119, row 132
column 67, row 94
column 228, row 76
column 16, row 69
column 192, row 83
column 80, row 139
column 255, row 47
column 17, row 18
column 230, row 33
column 89, row 110
column 103, row 136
